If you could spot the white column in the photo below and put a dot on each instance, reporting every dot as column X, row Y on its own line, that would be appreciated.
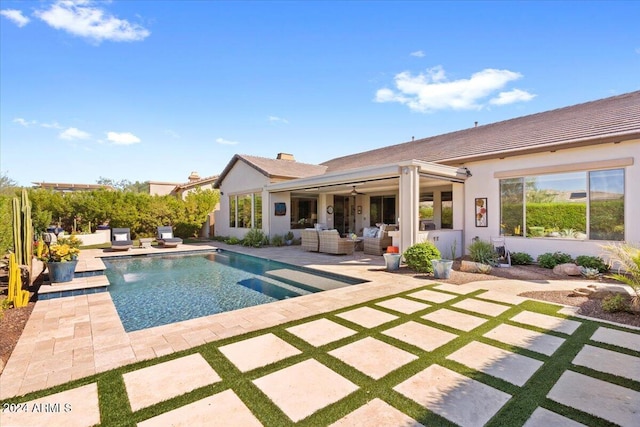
column 409, row 202
column 266, row 218
column 458, row 205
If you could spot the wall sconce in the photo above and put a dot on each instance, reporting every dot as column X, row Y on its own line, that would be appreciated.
column 405, row 170
column 359, row 210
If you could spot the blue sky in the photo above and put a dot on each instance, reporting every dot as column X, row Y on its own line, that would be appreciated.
column 152, row 90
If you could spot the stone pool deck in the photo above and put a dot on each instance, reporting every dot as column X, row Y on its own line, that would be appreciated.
column 76, row 337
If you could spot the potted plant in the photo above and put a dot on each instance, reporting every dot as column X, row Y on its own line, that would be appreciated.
column 61, row 258
column 442, row 267
column 288, row 238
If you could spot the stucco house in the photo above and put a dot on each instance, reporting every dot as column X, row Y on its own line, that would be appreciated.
column 561, row 180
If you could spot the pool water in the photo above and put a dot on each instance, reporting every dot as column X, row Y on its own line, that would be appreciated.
column 157, row 290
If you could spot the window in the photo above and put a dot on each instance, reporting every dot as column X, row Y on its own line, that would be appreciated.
column 577, row 205
column 304, row 211
column 245, row 211
column 382, row 210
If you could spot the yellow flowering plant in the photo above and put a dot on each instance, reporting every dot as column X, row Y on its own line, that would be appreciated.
column 64, row 250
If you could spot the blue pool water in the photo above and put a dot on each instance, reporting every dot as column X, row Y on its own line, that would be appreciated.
column 157, row 290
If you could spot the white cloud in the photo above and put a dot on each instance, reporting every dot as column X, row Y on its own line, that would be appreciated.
column 74, row 133
column 82, row 18
column 515, row 95
column 122, row 138
column 417, row 53
column 226, row 142
column 16, row 16
column 275, row 119
column 52, row 125
column 23, row 122
column 431, row 90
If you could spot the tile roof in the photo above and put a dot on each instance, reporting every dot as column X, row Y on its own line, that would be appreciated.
column 604, row 120
column 274, row 168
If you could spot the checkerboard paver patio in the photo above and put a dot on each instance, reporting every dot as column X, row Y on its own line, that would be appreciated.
column 610, row 362
column 319, row 372
column 545, row 321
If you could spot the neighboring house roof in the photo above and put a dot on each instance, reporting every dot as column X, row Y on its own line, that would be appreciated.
column 273, row 168
column 197, row 183
column 70, row 187
column 605, row 120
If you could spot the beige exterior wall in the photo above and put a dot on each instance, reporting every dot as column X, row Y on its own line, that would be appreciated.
column 241, row 179
column 161, row 188
column 484, row 183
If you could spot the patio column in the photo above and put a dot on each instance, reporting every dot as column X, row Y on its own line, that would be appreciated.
column 409, row 201
column 266, row 217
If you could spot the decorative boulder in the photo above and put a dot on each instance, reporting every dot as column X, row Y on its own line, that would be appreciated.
column 602, row 292
column 568, row 269
column 474, row 267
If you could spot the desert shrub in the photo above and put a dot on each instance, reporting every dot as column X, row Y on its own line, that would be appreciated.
column 418, row 257
column 277, row 240
column 483, row 252
column 592, row 262
column 255, row 238
column 550, row 260
column 625, row 259
column 232, row 241
column 521, row 258
column 288, row 235
column 615, row 303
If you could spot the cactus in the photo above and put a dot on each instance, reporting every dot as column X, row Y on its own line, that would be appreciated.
column 17, row 295
column 22, row 229
column 17, row 229
column 27, row 230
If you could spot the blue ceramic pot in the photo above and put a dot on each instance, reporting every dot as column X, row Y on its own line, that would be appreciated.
column 61, row 271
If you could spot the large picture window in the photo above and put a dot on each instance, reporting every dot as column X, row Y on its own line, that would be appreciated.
column 575, row 205
column 383, row 210
column 245, row 211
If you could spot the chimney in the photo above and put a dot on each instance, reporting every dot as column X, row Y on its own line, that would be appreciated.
column 476, row 124
column 194, row 176
column 286, row 156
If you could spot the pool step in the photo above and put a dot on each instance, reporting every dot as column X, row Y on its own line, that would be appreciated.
column 89, row 278
column 78, row 286
column 300, row 277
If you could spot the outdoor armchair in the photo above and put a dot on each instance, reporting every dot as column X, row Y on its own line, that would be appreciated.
column 332, row 243
column 310, row 240
column 376, row 240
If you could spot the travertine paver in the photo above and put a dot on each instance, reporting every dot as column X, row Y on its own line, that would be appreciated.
column 302, row 389
column 433, row 296
column 320, row 332
column 403, row 305
column 77, row 407
column 367, row 317
column 373, row 357
column 222, row 408
column 376, row 413
column 455, row 319
column 482, row 307
column 456, row 289
column 148, row 386
column 502, row 297
column 525, row 338
column 509, row 366
column 618, row 338
column 256, row 352
column 421, row 336
column 545, row 321
column 544, row 418
column 612, row 402
column 610, row 362
column 455, row 397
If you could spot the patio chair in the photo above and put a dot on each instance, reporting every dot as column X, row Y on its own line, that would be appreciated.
column 121, row 239
column 376, row 240
column 310, row 240
column 165, row 237
column 332, row 243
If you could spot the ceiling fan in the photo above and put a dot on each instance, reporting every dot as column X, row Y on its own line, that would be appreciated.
column 354, row 192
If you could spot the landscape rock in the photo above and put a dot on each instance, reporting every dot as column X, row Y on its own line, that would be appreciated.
column 474, row 267
column 568, row 269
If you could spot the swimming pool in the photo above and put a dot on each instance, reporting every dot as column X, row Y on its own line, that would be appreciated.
column 151, row 291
